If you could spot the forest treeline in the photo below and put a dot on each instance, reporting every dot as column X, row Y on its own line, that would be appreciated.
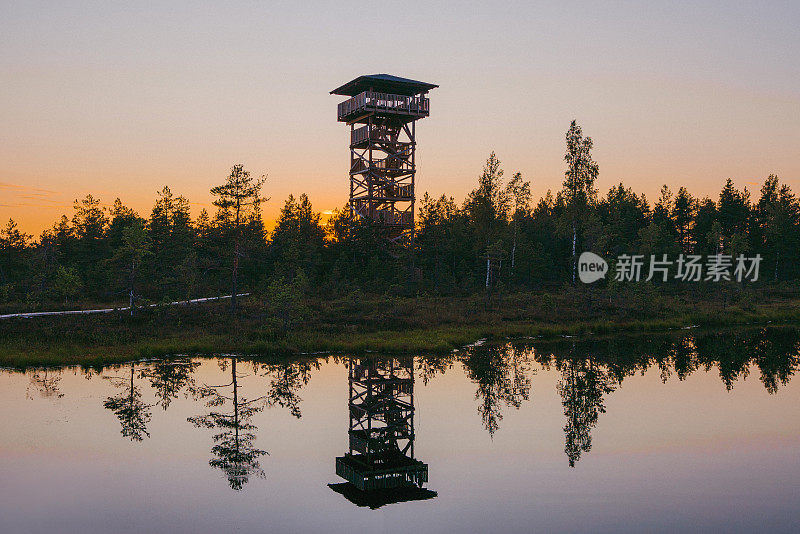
column 111, row 254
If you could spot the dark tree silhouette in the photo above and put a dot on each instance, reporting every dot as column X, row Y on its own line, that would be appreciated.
column 431, row 366
column 238, row 201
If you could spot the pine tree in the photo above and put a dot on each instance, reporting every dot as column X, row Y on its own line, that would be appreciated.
column 13, row 243
column 704, row 219
column 733, row 214
column 298, row 238
column 128, row 257
column 89, row 225
column 236, row 201
column 683, row 212
column 778, row 217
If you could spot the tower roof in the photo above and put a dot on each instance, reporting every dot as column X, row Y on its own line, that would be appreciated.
column 384, row 83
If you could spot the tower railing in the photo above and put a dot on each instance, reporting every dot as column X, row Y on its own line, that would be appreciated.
column 394, row 218
column 386, row 216
column 359, row 135
column 394, row 163
column 373, row 101
column 376, row 133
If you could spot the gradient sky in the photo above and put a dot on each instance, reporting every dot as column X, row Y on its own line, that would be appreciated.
column 121, row 98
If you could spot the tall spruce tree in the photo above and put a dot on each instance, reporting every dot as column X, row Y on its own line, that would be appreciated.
column 683, row 211
column 778, row 218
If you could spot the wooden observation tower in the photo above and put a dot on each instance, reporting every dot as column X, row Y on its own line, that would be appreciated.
column 382, row 112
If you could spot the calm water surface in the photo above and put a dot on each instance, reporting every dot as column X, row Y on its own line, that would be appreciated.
column 689, row 432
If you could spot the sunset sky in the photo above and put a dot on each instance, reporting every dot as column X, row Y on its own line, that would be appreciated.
column 119, row 99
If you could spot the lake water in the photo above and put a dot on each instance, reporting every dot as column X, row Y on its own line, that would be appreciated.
column 687, row 432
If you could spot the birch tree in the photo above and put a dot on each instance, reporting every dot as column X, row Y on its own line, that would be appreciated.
column 519, row 193
column 579, row 191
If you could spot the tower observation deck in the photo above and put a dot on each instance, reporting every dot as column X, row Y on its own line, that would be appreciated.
column 382, row 112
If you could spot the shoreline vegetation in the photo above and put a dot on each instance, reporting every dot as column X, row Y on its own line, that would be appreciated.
column 497, row 265
column 361, row 323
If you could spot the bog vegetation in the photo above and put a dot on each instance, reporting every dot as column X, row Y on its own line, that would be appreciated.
column 118, row 255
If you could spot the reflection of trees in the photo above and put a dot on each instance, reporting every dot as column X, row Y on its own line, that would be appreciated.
column 286, row 379
column 168, row 378
column 503, row 378
column 46, row 383
column 777, row 357
column 584, row 381
column 581, row 387
column 132, row 412
column 684, row 357
column 774, row 351
column 729, row 352
column 234, row 450
column 430, row 366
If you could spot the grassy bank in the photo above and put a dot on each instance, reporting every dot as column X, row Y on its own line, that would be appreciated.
column 359, row 322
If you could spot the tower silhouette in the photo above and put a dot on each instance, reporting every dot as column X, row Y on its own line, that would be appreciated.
column 382, row 112
column 380, row 466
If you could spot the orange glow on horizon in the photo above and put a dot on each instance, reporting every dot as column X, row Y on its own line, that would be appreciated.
column 36, row 210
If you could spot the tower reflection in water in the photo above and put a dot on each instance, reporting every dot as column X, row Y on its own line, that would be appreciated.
column 380, row 467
